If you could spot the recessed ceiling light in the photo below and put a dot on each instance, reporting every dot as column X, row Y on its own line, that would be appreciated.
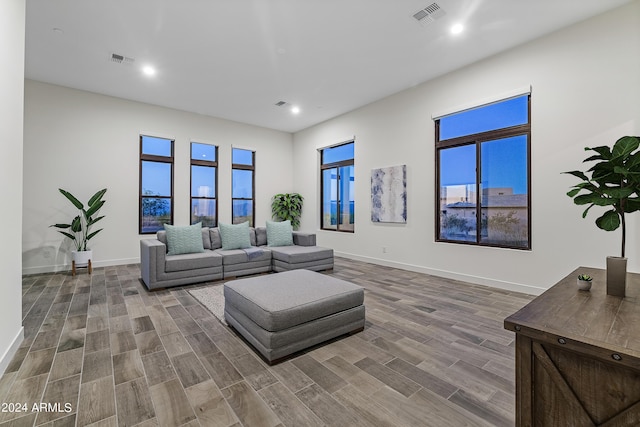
column 148, row 70
column 295, row 110
column 457, row 29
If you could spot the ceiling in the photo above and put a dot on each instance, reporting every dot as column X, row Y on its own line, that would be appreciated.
column 235, row 59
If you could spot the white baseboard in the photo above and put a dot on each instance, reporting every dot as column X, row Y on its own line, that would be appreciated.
column 11, row 351
column 67, row 267
column 508, row 286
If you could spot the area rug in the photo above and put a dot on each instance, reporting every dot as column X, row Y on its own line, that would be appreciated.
column 212, row 297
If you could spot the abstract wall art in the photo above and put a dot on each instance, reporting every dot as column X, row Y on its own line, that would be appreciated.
column 389, row 194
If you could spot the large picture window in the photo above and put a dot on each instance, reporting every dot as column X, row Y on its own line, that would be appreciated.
column 204, row 184
column 243, row 186
column 337, row 177
column 156, row 184
column 483, row 175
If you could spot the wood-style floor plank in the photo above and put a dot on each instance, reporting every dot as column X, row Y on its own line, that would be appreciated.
column 433, row 353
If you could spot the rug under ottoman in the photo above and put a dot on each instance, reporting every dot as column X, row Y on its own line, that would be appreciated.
column 282, row 313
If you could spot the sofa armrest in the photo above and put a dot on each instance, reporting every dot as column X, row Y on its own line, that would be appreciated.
column 152, row 259
column 304, row 239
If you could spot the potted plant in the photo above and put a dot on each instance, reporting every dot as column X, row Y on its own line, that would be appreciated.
column 79, row 231
column 584, row 282
column 614, row 184
column 287, row 206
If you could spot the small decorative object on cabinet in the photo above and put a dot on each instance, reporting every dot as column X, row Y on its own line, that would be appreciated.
column 615, row 184
column 584, row 282
column 578, row 356
column 79, row 231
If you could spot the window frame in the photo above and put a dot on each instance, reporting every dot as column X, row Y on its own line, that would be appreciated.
column 335, row 165
column 203, row 163
column 156, row 159
column 478, row 139
column 251, row 168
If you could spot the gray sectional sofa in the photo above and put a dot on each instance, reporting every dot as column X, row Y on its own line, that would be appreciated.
column 161, row 270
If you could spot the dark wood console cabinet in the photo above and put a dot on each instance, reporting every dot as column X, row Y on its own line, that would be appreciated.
column 578, row 355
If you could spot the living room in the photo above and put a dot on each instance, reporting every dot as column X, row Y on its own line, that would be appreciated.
column 583, row 79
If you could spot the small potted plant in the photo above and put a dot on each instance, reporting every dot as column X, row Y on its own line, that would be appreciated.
column 287, row 206
column 584, row 282
column 79, row 231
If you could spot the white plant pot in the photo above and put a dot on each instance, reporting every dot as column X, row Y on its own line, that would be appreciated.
column 584, row 285
column 81, row 258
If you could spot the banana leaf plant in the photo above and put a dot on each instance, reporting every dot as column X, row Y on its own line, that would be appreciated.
column 287, row 206
column 614, row 183
column 79, row 231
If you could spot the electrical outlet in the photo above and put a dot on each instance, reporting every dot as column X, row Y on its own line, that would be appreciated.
column 384, row 249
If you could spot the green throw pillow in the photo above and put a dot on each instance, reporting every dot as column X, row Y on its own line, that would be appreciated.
column 184, row 239
column 279, row 233
column 235, row 236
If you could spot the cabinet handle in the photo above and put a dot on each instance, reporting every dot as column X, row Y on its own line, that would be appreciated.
column 517, row 328
column 616, row 356
column 562, row 341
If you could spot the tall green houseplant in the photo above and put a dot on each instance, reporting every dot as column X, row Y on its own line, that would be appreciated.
column 79, row 231
column 287, row 206
column 614, row 183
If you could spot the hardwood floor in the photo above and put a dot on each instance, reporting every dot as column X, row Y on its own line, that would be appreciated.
column 101, row 350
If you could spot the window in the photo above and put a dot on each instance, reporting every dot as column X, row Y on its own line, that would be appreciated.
column 204, row 184
column 243, row 186
column 156, row 183
column 483, row 175
column 337, row 202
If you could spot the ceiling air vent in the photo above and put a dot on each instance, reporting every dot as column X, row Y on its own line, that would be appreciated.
column 429, row 14
column 121, row 59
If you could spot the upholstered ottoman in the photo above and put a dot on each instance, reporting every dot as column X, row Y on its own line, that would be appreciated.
column 316, row 258
column 282, row 313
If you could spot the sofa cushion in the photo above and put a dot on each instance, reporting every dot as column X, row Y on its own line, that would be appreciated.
column 239, row 256
column 279, row 233
column 252, row 236
column 162, row 236
column 206, row 239
column 298, row 254
column 193, row 261
column 235, row 236
column 261, row 236
column 184, row 239
column 214, row 235
column 304, row 239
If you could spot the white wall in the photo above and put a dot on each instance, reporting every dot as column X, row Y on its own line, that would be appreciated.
column 12, row 24
column 83, row 142
column 586, row 81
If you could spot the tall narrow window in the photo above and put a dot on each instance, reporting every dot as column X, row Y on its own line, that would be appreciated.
column 204, row 184
column 243, row 186
column 483, row 175
column 337, row 177
column 156, row 184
